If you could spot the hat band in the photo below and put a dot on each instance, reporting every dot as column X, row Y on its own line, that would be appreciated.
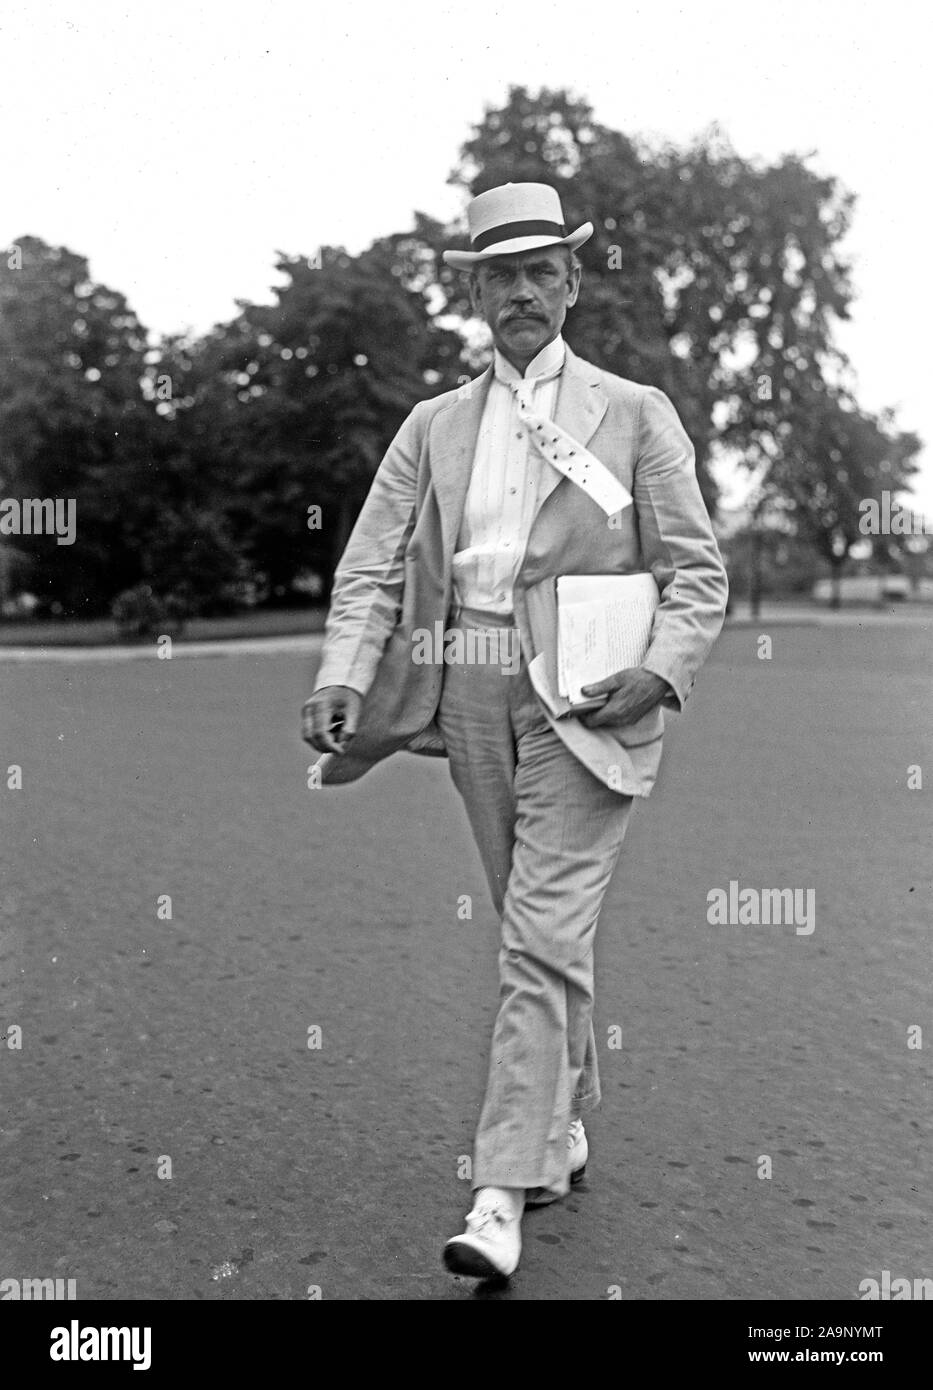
column 508, row 230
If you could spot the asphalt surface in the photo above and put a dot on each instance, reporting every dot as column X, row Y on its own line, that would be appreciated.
column 334, row 1169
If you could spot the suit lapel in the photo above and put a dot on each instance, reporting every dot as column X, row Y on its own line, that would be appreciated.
column 453, row 445
column 581, row 405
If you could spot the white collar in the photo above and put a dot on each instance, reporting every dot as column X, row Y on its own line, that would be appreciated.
column 548, row 363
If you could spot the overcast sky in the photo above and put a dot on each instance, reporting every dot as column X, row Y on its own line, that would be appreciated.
column 179, row 144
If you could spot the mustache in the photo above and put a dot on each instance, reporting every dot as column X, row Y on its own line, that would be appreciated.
column 509, row 318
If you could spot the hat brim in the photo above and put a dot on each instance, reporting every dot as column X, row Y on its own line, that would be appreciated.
column 466, row 260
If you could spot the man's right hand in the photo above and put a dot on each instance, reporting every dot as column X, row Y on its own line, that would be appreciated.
column 329, row 718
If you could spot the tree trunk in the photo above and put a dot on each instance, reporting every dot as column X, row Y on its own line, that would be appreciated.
column 835, row 583
column 754, row 575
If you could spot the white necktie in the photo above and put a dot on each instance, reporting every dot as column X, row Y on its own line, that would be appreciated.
column 571, row 459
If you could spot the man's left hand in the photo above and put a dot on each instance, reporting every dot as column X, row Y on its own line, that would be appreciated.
column 632, row 694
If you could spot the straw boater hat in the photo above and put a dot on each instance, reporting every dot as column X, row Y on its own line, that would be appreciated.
column 515, row 217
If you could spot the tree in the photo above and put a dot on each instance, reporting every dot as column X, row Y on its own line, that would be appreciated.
column 74, row 422
column 831, row 457
column 300, row 399
column 716, row 278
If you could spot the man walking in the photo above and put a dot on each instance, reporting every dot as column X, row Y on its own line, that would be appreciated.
column 545, row 466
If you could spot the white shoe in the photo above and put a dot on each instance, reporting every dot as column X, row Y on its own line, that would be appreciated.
column 578, row 1151
column 491, row 1244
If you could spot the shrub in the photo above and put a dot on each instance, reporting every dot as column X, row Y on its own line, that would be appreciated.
column 142, row 613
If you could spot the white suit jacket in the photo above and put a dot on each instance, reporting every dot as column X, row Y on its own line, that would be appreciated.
column 395, row 576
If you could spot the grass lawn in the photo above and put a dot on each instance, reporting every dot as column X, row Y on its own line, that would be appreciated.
column 99, row 632
column 286, row 622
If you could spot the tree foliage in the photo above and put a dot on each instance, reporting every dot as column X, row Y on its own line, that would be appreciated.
column 300, row 398
column 716, row 278
column 198, row 466
column 74, row 422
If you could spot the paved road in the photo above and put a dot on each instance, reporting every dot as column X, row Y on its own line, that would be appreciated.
column 335, row 1168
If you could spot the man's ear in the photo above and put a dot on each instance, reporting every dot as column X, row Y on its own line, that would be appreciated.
column 574, row 279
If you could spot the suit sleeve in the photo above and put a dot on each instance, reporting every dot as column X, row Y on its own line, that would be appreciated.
column 367, row 591
column 679, row 548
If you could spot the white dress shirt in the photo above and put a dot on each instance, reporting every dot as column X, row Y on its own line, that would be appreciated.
column 503, row 493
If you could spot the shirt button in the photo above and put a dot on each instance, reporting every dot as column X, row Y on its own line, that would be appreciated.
column 512, row 490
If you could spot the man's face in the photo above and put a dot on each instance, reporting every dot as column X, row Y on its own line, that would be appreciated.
column 524, row 298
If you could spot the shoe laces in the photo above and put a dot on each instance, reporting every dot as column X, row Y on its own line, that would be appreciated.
column 481, row 1217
